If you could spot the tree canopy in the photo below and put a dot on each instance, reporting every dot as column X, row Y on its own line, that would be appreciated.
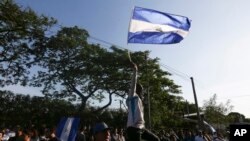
column 22, row 41
column 72, row 67
column 216, row 113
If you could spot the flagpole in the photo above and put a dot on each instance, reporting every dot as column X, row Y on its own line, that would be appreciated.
column 200, row 121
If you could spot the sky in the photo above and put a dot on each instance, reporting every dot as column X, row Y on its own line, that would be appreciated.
column 215, row 52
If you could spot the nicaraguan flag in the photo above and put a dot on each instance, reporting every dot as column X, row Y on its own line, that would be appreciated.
column 67, row 129
column 210, row 127
column 148, row 26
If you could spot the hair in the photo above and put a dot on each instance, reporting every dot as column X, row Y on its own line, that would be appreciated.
column 139, row 89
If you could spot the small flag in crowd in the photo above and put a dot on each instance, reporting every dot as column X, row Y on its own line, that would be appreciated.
column 67, row 129
column 149, row 26
column 210, row 127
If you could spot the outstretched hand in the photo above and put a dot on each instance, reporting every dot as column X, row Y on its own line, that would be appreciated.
column 131, row 62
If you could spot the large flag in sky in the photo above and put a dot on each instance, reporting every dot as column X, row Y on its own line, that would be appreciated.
column 149, row 26
column 67, row 128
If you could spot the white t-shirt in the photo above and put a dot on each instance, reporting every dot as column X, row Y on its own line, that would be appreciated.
column 135, row 106
column 135, row 112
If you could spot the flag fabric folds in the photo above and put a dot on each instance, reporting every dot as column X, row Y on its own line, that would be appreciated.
column 210, row 127
column 67, row 128
column 149, row 26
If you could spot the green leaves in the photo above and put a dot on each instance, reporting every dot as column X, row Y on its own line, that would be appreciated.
column 22, row 38
column 65, row 65
column 215, row 113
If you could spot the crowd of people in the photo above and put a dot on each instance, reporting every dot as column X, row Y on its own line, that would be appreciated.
column 134, row 131
column 102, row 132
column 112, row 134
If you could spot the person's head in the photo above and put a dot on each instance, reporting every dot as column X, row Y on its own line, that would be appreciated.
column 101, row 132
column 26, row 135
column 115, row 131
column 1, row 135
column 120, row 132
column 19, row 131
column 139, row 90
column 188, row 134
column 172, row 138
column 200, row 133
column 52, row 133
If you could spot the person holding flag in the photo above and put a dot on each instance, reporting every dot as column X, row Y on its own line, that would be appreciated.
column 135, row 124
column 148, row 26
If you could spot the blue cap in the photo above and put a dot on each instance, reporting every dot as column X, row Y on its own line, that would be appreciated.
column 99, row 127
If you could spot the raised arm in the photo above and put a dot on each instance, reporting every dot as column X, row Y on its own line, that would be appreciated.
column 133, row 81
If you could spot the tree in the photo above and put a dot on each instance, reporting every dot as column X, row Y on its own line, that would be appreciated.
column 216, row 113
column 73, row 67
column 70, row 67
column 22, row 41
column 235, row 117
column 78, row 68
column 24, row 110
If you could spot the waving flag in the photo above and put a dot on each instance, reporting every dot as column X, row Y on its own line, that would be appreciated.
column 153, row 27
column 210, row 127
column 67, row 129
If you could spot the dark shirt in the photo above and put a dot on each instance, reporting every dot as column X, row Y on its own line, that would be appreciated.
column 80, row 137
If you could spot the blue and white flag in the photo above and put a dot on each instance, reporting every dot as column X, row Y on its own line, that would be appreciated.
column 148, row 26
column 210, row 127
column 67, row 129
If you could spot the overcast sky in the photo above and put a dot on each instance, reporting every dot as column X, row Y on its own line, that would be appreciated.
column 215, row 53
